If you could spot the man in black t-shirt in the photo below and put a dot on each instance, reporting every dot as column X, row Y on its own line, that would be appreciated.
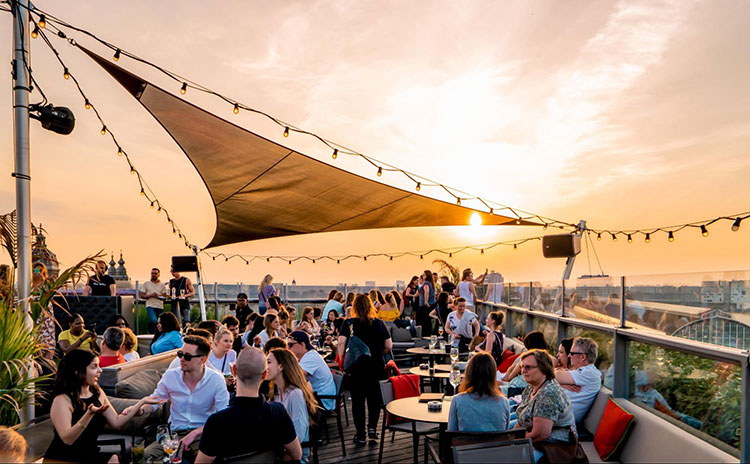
column 242, row 310
column 100, row 284
column 250, row 424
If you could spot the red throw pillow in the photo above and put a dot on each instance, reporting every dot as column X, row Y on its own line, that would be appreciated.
column 507, row 362
column 612, row 430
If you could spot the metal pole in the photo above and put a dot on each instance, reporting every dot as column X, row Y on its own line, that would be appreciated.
column 201, row 291
column 621, row 355
column 22, row 172
column 745, row 413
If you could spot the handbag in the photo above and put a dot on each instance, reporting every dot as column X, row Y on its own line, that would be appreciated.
column 560, row 452
column 356, row 349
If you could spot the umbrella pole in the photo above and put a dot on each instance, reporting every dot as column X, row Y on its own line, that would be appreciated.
column 201, row 290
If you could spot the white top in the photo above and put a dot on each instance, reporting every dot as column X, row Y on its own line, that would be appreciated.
column 150, row 287
column 461, row 326
column 132, row 356
column 190, row 410
column 224, row 363
column 465, row 292
column 294, row 402
column 263, row 337
column 319, row 375
column 589, row 378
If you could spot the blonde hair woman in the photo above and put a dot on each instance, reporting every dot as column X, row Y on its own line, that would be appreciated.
column 389, row 311
column 265, row 291
column 222, row 355
column 289, row 386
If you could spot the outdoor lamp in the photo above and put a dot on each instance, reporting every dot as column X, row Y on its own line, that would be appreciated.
column 54, row 118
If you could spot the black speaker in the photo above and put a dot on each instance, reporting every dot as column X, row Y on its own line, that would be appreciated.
column 185, row 263
column 561, row 246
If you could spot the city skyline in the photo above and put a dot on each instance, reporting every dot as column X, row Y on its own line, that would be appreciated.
column 626, row 114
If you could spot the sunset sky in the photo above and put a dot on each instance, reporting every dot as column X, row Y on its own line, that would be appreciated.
column 628, row 114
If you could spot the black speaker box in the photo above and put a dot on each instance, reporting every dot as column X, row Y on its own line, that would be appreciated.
column 561, row 246
column 185, row 263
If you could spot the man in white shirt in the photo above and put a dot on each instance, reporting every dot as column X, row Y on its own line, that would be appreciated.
column 315, row 367
column 195, row 392
column 583, row 380
column 152, row 290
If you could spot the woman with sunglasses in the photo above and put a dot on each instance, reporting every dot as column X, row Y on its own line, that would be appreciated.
column 545, row 410
column 168, row 335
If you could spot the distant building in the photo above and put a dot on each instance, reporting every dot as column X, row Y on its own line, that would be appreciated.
column 370, row 283
column 119, row 273
column 40, row 253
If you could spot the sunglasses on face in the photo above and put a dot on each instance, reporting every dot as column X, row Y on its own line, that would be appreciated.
column 187, row 356
column 573, row 353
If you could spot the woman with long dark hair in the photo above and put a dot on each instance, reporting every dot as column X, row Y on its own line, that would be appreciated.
column 80, row 409
column 168, row 334
column 480, row 407
column 367, row 371
column 411, row 296
column 494, row 341
column 426, row 303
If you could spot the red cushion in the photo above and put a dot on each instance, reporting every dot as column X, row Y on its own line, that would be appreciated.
column 612, row 430
column 507, row 362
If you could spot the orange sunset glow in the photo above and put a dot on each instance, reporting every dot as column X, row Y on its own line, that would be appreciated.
column 625, row 114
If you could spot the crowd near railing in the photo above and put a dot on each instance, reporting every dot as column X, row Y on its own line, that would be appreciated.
column 681, row 338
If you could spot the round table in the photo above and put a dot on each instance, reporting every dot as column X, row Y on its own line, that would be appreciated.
column 445, row 368
column 420, row 350
column 412, row 409
column 426, row 373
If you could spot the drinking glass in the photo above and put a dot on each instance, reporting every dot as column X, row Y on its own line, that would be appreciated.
column 441, row 330
column 433, row 342
column 455, row 378
column 454, row 354
column 170, row 446
column 162, row 432
column 182, row 293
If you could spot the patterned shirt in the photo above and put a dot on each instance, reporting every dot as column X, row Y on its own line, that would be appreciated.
column 550, row 402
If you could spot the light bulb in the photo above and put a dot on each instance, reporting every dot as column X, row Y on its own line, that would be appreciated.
column 736, row 225
column 338, row 261
column 458, row 201
column 515, row 246
column 119, row 152
column 630, row 239
column 132, row 171
column 87, row 104
column 247, row 263
column 481, row 252
column 236, row 108
column 286, row 132
column 391, row 258
column 704, row 231
column 450, row 255
column 313, row 261
column 42, row 21
column 290, row 262
column 152, row 205
column 648, row 238
column 335, row 153
column 183, row 89
column 419, row 186
column 116, row 56
column 380, row 171
column 35, row 32
column 365, row 258
column 268, row 260
column 518, row 221
column 421, row 256
column 66, row 74
column 614, row 237
column 544, row 226
column 599, row 236
column 213, row 257
column 104, row 130
column 671, row 236
column 143, row 193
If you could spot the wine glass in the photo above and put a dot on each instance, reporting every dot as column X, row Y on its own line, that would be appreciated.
column 454, row 355
column 441, row 330
column 170, row 446
column 433, row 342
column 162, row 432
column 455, row 377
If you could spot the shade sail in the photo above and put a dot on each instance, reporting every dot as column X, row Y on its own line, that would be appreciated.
column 261, row 189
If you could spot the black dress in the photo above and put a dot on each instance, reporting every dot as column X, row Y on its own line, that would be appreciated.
column 84, row 449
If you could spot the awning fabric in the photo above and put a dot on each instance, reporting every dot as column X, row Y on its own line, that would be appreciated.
column 261, row 189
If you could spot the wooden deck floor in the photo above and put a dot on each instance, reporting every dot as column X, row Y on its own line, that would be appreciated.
column 401, row 450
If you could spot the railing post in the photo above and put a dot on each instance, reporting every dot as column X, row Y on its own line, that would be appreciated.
column 622, row 369
column 562, row 299
column 216, row 298
column 135, row 307
column 509, row 322
column 745, row 413
column 531, row 292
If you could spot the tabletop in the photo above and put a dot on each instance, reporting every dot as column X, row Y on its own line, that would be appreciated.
column 412, row 409
column 426, row 351
column 426, row 373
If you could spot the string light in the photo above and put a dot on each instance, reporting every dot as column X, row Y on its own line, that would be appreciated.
column 236, row 108
column 599, row 236
column 481, row 251
column 35, row 32
column 736, row 225
column 104, row 130
column 335, row 153
column 183, row 89
column 87, row 104
column 458, row 201
column 119, row 152
column 380, row 171
column 518, row 221
column 66, row 74
column 419, row 186
column 648, row 238
column 421, row 254
column 544, row 226
column 313, row 261
column 614, row 237
column 143, row 193
column 671, row 236
column 152, row 205
column 132, row 171
column 286, row 131
column 42, row 21
column 116, row 56
column 704, row 231
column 630, row 239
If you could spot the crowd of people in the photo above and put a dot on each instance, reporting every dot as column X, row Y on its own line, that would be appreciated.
column 275, row 368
